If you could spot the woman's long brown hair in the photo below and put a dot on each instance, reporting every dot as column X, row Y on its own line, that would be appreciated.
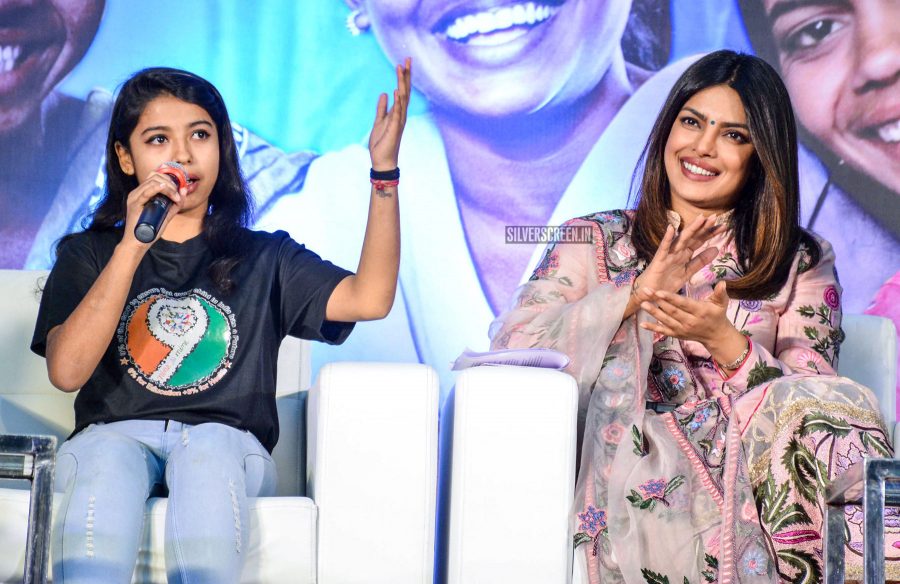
column 766, row 218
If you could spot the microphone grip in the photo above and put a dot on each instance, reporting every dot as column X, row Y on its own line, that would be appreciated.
column 151, row 218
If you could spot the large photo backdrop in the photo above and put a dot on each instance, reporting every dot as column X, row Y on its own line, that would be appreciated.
column 526, row 113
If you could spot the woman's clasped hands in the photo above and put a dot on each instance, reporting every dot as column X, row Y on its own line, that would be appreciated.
column 656, row 291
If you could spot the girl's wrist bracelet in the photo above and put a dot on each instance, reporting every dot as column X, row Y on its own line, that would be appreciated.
column 380, row 185
column 384, row 175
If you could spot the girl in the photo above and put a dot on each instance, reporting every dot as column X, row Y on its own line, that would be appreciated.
column 172, row 345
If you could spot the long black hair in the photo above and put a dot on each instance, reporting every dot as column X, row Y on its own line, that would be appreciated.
column 230, row 204
column 766, row 218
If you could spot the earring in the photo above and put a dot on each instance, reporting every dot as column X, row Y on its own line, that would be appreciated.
column 357, row 22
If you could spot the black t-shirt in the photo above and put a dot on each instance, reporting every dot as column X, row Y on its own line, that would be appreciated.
column 181, row 351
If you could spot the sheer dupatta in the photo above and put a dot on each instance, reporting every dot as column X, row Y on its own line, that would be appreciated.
column 659, row 498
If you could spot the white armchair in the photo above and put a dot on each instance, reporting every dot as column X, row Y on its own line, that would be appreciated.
column 356, row 493
column 508, row 468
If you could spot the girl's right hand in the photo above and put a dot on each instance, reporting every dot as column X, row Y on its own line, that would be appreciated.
column 155, row 184
column 674, row 262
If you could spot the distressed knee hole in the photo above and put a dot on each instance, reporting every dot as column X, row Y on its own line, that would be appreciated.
column 236, row 511
column 89, row 527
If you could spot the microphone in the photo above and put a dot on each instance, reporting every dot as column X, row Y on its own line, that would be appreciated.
column 156, row 208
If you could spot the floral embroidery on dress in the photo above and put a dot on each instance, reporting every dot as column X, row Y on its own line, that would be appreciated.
column 593, row 521
column 616, row 372
column 774, row 494
column 804, row 263
column 761, row 373
column 651, row 577
column 698, row 418
column 750, row 310
column 755, row 562
column 831, row 297
column 674, row 379
column 549, row 264
column 625, row 277
column 670, row 379
column 613, row 433
column 776, row 515
column 711, row 573
column 822, row 445
column 654, row 490
column 641, row 448
column 826, row 343
column 621, row 259
column 751, row 305
column 591, row 529
column 725, row 265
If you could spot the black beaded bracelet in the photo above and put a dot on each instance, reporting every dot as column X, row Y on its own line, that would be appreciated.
column 384, row 174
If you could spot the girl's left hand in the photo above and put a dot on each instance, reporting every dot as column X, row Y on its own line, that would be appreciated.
column 384, row 141
column 684, row 318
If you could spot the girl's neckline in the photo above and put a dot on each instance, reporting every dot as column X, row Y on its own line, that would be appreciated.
column 195, row 244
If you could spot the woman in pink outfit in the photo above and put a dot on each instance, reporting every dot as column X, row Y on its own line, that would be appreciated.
column 703, row 329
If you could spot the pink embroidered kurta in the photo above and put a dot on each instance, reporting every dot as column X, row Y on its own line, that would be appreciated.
column 727, row 487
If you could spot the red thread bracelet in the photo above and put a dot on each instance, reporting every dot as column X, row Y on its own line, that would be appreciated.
column 380, row 185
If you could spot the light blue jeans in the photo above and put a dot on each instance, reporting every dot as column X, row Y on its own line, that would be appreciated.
column 106, row 473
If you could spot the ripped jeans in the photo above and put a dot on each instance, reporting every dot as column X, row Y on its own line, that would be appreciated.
column 106, row 473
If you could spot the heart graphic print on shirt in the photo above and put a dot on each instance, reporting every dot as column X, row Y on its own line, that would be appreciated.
column 177, row 343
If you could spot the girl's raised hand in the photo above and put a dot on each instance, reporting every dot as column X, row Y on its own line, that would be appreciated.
column 155, row 184
column 384, row 141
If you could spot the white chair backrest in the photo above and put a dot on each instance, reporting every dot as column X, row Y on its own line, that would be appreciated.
column 869, row 356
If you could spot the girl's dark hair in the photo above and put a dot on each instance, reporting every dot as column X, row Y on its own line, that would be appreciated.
column 766, row 217
column 872, row 195
column 230, row 204
column 647, row 40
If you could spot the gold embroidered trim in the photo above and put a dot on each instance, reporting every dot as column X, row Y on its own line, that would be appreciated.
column 791, row 412
column 758, row 469
column 855, row 571
column 788, row 416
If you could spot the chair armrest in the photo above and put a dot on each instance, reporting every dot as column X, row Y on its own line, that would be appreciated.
column 512, row 475
column 372, row 471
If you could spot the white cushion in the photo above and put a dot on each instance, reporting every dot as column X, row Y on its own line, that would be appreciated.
column 282, row 540
column 512, row 475
column 372, row 470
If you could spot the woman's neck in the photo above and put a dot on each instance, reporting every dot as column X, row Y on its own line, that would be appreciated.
column 516, row 169
column 514, row 172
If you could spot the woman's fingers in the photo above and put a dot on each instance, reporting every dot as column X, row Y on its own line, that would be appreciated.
column 665, row 245
column 664, row 313
column 701, row 259
column 697, row 233
column 658, row 328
